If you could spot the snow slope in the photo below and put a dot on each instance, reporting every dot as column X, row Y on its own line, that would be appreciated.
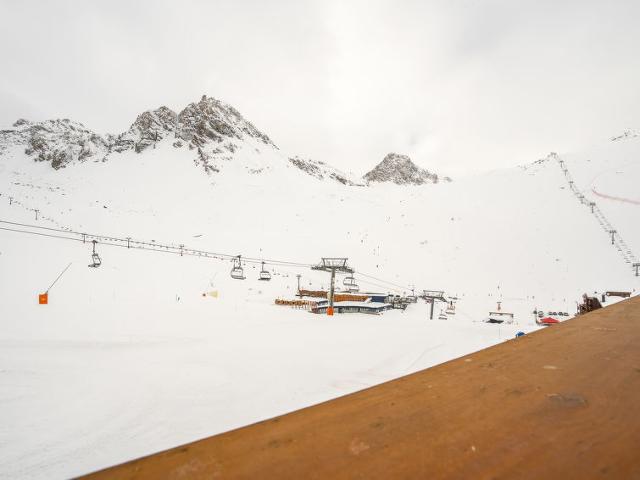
column 130, row 358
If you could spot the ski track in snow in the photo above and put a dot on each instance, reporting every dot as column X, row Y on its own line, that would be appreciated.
column 617, row 199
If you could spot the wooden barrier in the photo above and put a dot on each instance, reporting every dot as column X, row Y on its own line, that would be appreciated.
column 313, row 293
column 338, row 297
column 348, row 297
column 619, row 294
column 556, row 403
column 306, row 304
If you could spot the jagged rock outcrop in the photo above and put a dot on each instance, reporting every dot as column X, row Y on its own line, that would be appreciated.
column 627, row 134
column 59, row 142
column 212, row 128
column 149, row 128
column 216, row 133
column 399, row 169
column 200, row 125
column 210, row 120
column 321, row 170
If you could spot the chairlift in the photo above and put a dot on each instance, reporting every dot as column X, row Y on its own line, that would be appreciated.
column 349, row 281
column 95, row 258
column 264, row 274
column 412, row 298
column 350, row 284
column 237, row 272
column 451, row 308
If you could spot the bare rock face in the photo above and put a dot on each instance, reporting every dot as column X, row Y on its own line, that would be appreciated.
column 212, row 128
column 626, row 135
column 210, row 120
column 215, row 132
column 149, row 128
column 59, row 142
column 321, row 170
column 399, row 169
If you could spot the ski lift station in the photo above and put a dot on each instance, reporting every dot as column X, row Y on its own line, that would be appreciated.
column 500, row 317
column 375, row 308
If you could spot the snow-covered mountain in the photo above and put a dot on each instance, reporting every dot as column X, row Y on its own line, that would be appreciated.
column 213, row 131
column 399, row 169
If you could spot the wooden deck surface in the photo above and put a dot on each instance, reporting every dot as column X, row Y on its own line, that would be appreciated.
column 563, row 402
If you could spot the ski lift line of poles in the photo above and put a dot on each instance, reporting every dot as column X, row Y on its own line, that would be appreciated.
column 156, row 247
column 151, row 247
column 176, row 250
column 130, row 243
column 61, row 237
column 616, row 240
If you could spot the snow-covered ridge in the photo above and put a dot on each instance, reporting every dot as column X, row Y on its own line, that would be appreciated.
column 58, row 142
column 219, row 136
column 321, row 170
column 627, row 134
column 399, row 169
column 212, row 128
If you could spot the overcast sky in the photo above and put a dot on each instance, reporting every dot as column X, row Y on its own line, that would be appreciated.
column 457, row 85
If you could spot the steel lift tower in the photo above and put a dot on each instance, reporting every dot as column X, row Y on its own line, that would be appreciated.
column 333, row 265
column 430, row 296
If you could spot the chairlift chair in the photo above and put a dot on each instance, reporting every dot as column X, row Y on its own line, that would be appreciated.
column 413, row 298
column 264, row 274
column 349, row 281
column 350, row 284
column 237, row 272
column 95, row 258
column 451, row 308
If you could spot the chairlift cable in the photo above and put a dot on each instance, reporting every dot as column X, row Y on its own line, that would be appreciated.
column 58, row 278
column 157, row 247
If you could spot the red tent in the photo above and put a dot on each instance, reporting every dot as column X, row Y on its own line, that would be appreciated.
column 549, row 321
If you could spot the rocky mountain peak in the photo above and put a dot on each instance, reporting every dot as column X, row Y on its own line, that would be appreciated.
column 399, row 169
column 149, row 127
column 201, row 125
column 216, row 130
column 211, row 120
